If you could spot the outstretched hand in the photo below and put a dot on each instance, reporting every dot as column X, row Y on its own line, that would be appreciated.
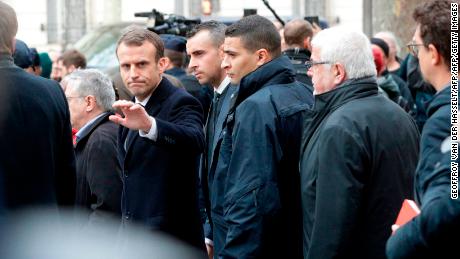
column 135, row 116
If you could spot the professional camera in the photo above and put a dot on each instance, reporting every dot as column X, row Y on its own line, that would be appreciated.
column 161, row 23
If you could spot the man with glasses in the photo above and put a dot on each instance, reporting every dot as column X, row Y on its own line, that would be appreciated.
column 434, row 232
column 358, row 152
column 90, row 96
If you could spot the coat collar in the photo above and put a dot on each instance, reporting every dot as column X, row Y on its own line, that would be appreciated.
column 298, row 53
column 6, row 60
column 153, row 107
column 277, row 71
column 327, row 102
column 175, row 71
column 162, row 92
column 348, row 91
column 88, row 130
column 439, row 99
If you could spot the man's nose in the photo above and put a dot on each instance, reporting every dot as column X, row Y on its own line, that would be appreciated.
column 192, row 64
column 225, row 63
column 133, row 72
column 309, row 72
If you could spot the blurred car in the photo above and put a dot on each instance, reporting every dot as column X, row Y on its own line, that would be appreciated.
column 99, row 45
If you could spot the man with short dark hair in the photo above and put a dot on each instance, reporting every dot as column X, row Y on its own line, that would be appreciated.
column 434, row 232
column 204, row 46
column 256, row 213
column 159, row 143
column 68, row 62
column 37, row 161
column 90, row 96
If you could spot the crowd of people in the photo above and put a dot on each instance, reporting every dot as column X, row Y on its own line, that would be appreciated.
column 242, row 141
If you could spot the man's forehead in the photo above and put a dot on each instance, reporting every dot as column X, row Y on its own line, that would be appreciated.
column 232, row 40
column 416, row 32
column 201, row 35
column 315, row 51
column 232, row 44
column 199, row 42
column 144, row 47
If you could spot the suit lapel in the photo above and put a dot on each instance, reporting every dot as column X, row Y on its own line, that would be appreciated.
column 93, row 126
column 221, row 118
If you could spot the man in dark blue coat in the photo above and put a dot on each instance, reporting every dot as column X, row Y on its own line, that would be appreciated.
column 256, row 208
column 37, row 161
column 434, row 232
column 160, row 142
column 90, row 95
column 204, row 46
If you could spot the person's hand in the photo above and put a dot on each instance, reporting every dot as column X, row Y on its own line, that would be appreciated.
column 210, row 250
column 135, row 116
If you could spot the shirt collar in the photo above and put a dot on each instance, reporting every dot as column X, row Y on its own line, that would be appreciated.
column 144, row 102
column 82, row 130
column 222, row 85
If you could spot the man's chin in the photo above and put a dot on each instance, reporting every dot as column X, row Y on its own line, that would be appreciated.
column 234, row 81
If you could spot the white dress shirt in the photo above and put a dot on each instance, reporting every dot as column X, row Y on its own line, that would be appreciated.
column 153, row 132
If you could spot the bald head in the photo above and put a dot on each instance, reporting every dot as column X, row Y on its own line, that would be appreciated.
column 8, row 28
column 298, row 33
column 390, row 40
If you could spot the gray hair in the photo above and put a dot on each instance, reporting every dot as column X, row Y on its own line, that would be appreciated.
column 352, row 49
column 216, row 30
column 390, row 38
column 93, row 82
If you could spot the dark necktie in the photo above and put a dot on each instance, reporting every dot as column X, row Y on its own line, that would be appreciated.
column 131, row 134
column 212, row 123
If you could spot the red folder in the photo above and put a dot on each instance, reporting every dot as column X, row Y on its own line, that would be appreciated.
column 409, row 210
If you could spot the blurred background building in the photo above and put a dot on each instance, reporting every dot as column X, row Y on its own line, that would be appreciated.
column 48, row 24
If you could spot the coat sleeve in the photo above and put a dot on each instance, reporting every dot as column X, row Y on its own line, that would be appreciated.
column 104, row 175
column 184, row 127
column 435, row 229
column 203, row 201
column 253, row 200
column 339, row 188
column 65, row 160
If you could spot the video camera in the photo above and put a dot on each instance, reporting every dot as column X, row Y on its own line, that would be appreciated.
column 161, row 23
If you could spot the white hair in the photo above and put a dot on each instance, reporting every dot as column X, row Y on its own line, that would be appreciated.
column 352, row 49
column 93, row 82
column 390, row 38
